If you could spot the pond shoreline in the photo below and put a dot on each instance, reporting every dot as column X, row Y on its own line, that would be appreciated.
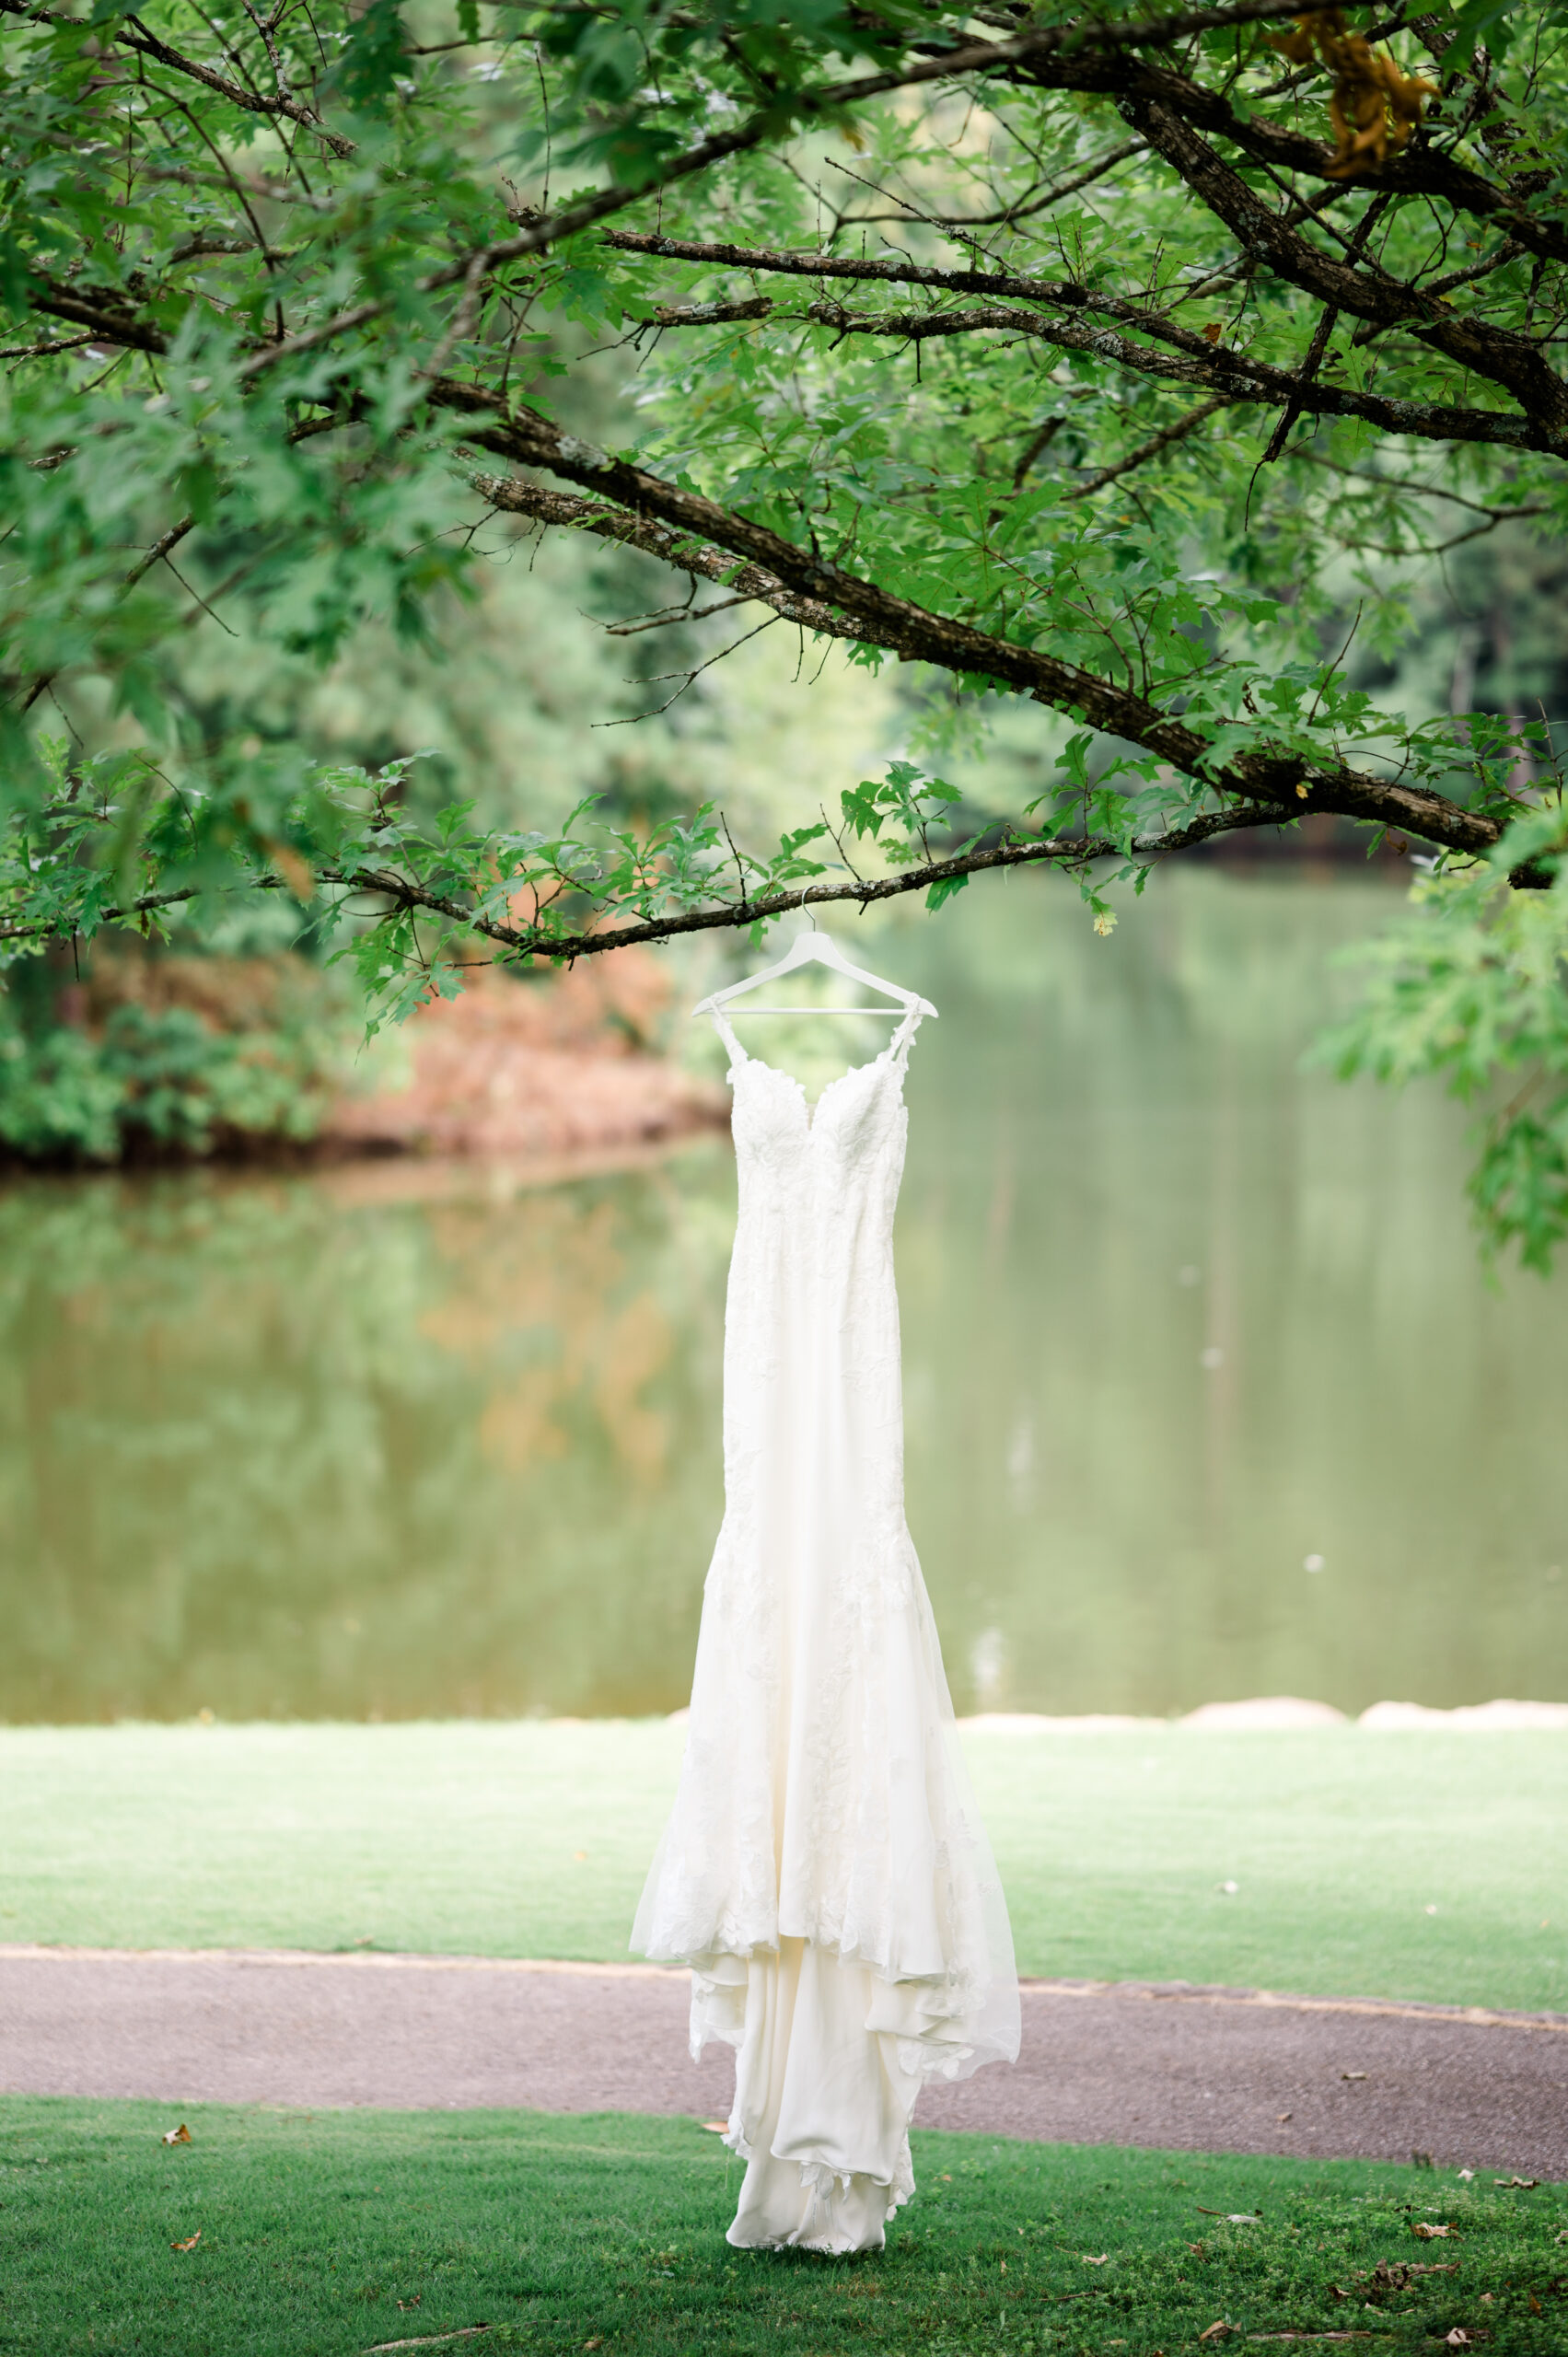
column 601, row 1147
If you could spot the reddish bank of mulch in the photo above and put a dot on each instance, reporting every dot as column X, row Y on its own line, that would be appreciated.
column 562, row 1066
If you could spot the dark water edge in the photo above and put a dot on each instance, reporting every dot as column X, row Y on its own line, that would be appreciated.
column 1179, row 1319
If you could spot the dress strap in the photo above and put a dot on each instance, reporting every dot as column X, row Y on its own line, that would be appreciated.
column 898, row 1046
column 721, row 1026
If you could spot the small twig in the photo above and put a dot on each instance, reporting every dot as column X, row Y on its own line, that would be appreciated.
column 461, row 321
column 630, row 719
column 45, row 351
column 1151, row 447
column 1335, row 665
column 1041, row 441
column 669, row 621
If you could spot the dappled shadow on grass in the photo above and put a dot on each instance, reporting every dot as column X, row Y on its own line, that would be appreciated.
column 284, row 2232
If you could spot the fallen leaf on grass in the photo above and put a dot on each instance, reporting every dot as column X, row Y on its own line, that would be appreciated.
column 406, row 2304
column 1397, row 2278
column 1430, row 2233
column 596, row 2342
column 1217, row 2330
column 1101, row 2261
column 190, row 2243
column 180, row 2135
column 1525, row 2183
column 1232, row 2217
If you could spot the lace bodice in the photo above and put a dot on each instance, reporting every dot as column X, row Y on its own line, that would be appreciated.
column 813, row 1383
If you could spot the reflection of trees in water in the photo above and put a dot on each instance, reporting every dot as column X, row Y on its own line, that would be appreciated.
column 1225, row 1317
column 558, row 1277
column 268, row 1454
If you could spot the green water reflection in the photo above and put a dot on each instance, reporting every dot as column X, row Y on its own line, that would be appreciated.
column 1177, row 1320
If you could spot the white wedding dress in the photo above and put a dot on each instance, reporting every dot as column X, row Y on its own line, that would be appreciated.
column 824, row 1871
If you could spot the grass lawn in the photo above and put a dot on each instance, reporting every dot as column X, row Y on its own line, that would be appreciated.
column 281, row 2233
column 532, row 1838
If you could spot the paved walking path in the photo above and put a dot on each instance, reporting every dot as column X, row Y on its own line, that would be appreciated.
column 1215, row 2070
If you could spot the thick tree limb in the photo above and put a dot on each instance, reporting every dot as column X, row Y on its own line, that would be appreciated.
column 1359, row 288
column 1422, row 169
column 855, row 608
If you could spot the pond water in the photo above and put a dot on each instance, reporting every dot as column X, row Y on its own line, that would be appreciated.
column 1206, row 1393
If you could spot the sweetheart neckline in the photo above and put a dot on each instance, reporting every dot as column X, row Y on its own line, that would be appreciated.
column 811, row 1110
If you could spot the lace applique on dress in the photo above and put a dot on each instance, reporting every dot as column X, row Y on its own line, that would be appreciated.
column 824, row 1871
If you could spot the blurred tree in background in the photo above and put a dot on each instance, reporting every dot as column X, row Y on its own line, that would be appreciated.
column 1127, row 376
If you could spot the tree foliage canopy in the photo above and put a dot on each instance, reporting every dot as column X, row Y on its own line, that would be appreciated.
column 1102, row 360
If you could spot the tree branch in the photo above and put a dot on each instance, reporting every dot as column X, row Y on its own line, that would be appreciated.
column 1420, row 169
column 803, row 587
column 1196, row 362
column 1210, row 367
column 1359, row 287
column 134, row 34
column 1073, row 852
column 790, row 107
column 1151, row 447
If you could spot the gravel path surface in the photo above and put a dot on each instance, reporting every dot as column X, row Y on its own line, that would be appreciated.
column 1214, row 2070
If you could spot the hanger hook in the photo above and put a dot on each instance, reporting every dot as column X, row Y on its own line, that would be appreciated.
column 805, row 911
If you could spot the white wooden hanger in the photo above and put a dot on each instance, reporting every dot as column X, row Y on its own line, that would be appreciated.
column 815, row 946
